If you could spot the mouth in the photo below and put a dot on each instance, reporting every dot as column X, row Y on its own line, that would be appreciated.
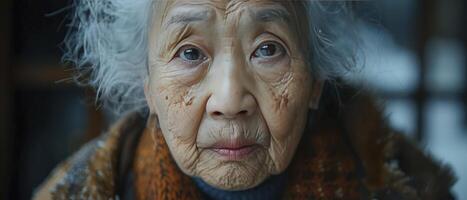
column 234, row 149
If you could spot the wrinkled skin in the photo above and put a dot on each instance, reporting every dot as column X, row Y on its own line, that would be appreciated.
column 219, row 72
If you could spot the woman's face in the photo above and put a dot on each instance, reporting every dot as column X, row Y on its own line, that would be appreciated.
column 229, row 83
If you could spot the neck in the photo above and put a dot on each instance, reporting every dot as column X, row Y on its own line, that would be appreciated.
column 272, row 188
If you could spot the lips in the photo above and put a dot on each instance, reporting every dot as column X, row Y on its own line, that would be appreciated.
column 234, row 149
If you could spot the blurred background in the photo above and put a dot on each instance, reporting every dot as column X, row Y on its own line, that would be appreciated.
column 414, row 52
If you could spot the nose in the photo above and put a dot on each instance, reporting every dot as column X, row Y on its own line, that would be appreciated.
column 230, row 97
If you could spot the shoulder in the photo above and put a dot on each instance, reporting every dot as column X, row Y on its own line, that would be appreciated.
column 415, row 168
column 393, row 163
column 92, row 172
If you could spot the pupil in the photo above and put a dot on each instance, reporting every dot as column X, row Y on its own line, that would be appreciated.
column 268, row 50
column 191, row 54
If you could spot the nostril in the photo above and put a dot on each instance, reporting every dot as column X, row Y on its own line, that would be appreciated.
column 243, row 112
column 217, row 113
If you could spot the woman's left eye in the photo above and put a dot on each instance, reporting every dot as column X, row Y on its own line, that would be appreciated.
column 268, row 50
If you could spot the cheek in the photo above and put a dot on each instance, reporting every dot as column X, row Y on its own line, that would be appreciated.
column 179, row 111
column 284, row 104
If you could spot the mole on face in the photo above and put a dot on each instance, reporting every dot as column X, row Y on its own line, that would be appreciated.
column 230, row 87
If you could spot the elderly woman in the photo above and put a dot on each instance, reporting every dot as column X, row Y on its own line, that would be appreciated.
column 232, row 99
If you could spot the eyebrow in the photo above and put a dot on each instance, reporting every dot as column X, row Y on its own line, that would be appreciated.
column 186, row 17
column 271, row 14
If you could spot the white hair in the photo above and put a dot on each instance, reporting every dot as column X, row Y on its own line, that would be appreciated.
column 108, row 43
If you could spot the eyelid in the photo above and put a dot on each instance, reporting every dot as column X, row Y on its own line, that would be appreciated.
column 185, row 45
column 192, row 40
column 270, row 37
column 189, row 46
column 278, row 44
column 271, row 43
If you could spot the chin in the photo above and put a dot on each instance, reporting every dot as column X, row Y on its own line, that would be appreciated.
column 235, row 175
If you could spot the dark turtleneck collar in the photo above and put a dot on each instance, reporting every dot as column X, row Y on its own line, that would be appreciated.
column 270, row 189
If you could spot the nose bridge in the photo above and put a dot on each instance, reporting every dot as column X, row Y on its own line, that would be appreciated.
column 230, row 96
column 233, row 77
column 231, row 80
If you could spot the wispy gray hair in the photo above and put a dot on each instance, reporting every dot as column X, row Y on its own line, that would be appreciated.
column 108, row 44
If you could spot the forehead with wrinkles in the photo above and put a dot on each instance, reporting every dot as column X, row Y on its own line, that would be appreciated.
column 227, row 6
column 183, row 10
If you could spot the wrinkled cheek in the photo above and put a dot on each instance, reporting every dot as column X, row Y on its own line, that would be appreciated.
column 181, row 123
column 283, row 119
column 180, row 135
column 287, row 121
column 178, row 118
column 178, row 122
column 286, row 129
column 286, row 134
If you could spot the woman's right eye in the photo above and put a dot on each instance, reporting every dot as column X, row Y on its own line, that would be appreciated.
column 191, row 55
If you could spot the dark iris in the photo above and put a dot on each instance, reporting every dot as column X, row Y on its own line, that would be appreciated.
column 191, row 54
column 266, row 50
